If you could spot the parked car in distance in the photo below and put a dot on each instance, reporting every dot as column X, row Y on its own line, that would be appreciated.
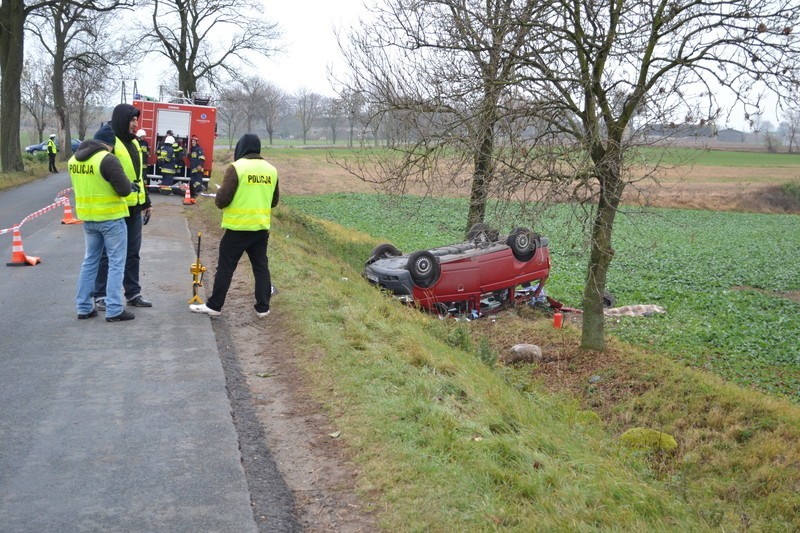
column 486, row 273
column 42, row 147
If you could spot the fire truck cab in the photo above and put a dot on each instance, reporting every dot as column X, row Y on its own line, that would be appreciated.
column 184, row 118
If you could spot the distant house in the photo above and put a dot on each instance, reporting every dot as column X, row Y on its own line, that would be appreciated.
column 731, row 135
column 679, row 130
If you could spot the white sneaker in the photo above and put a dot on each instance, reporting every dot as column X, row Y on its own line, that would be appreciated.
column 203, row 308
column 262, row 315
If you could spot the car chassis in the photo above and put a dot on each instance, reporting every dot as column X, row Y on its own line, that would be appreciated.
column 483, row 275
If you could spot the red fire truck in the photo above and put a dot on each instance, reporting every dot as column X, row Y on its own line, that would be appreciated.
column 184, row 117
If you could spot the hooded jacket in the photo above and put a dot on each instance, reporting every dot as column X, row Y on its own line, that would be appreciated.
column 120, row 122
column 110, row 167
column 248, row 147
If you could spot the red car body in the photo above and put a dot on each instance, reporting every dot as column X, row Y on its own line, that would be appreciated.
column 477, row 276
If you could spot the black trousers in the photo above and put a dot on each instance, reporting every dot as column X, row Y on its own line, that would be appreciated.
column 52, row 158
column 231, row 247
column 130, row 282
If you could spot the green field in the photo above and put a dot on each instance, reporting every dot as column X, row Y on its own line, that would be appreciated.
column 724, row 278
column 720, row 158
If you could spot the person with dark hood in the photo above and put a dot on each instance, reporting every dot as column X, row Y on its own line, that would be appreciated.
column 101, row 186
column 248, row 193
column 124, row 123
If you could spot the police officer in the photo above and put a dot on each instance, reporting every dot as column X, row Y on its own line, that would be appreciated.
column 248, row 193
column 125, row 122
column 52, row 150
column 100, row 186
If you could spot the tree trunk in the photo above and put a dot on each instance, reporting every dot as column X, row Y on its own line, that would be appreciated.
column 481, row 177
column 60, row 104
column 12, row 20
column 611, row 188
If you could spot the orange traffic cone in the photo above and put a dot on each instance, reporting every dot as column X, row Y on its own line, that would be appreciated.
column 18, row 257
column 187, row 197
column 68, row 218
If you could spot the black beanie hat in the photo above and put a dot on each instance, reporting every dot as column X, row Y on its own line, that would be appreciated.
column 106, row 135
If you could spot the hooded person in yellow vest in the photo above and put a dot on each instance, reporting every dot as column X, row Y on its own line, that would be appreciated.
column 247, row 195
column 101, row 186
column 125, row 122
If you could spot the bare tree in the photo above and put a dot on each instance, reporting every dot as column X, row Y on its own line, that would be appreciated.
column 230, row 113
column 440, row 70
column 275, row 107
column 13, row 14
column 253, row 100
column 202, row 38
column 37, row 98
column 354, row 109
column 332, row 112
column 12, row 37
column 86, row 95
column 791, row 127
column 307, row 108
column 544, row 94
column 69, row 34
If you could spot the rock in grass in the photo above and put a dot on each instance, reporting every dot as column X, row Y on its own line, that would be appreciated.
column 649, row 439
column 522, row 353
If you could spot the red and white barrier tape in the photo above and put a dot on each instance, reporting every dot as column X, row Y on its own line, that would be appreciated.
column 61, row 199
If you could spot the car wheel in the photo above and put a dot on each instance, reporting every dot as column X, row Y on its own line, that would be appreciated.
column 424, row 269
column 523, row 243
column 382, row 251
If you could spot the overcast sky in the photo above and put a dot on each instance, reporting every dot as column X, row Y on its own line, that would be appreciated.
column 309, row 40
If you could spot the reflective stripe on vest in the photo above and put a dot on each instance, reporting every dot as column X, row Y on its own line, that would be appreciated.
column 134, row 198
column 95, row 198
column 251, row 207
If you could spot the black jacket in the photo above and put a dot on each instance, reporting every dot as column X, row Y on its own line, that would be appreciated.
column 121, row 124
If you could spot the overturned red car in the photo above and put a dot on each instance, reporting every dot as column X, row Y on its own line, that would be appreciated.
column 484, row 274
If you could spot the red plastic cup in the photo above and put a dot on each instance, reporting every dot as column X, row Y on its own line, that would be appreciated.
column 558, row 320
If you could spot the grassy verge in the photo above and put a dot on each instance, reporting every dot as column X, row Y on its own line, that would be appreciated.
column 728, row 280
column 449, row 441
column 35, row 168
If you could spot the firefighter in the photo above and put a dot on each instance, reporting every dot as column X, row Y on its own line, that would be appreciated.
column 52, row 150
column 144, row 145
column 166, row 161
column 197, row 159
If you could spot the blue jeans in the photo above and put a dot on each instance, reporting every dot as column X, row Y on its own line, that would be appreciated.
column 130, row 281
column 111, row 235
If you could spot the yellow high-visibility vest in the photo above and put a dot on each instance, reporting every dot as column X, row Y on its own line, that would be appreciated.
column 251, row 207
column 134, row 198
column 95, row 198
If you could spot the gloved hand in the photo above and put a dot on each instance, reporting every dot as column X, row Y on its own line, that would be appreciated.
column 135, row 187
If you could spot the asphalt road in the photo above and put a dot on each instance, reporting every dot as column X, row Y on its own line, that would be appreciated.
column 112, row 426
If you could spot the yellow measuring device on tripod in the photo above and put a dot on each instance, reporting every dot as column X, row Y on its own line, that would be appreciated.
column 197, row 271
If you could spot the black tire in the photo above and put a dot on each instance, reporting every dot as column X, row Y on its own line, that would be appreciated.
column 608, row 300
column 424, row 269
column 382, row 251
column 523, row 243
